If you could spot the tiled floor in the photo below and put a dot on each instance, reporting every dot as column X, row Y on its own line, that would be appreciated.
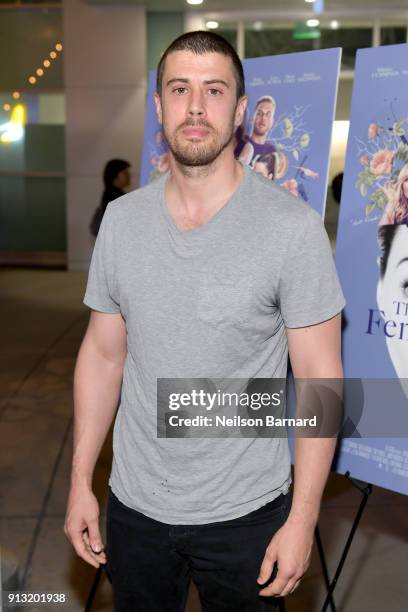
column 43, row 322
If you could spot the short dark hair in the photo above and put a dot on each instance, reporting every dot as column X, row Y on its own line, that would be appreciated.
column 266, row 99
column 386, row 235
column 112, row 169
column 269, row 159
column 201, row 42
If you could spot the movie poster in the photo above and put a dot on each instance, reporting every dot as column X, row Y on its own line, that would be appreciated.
column 287, row 132
column 286, row 135
column 372, row 260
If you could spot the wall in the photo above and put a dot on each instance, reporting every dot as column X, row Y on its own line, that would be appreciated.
column 162, row 29
column 105, row 64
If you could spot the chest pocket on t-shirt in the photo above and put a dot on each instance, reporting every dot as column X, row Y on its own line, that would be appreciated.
column 225, row 302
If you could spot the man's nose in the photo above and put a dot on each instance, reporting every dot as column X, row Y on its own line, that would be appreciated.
column 196, row 106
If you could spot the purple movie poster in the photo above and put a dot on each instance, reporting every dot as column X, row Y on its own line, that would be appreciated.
column 372, row 260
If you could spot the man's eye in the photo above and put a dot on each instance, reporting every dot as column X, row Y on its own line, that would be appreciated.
column 179, row 90
column 214, row 92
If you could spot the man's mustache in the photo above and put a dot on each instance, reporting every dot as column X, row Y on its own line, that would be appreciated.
column 190, row 123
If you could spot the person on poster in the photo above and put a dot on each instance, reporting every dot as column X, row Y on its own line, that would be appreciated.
column 392, row 289
column 256, row 143
column 385, row 182
column 160, row 158
column 175, row 295
column 396, row 210
column 392, row 294
column 265, row 165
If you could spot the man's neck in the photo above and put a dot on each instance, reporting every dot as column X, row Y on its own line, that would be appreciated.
column 258, row 138
column 195, row 194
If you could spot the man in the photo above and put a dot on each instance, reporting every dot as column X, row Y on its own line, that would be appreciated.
column 255, row 145
column 211, row 271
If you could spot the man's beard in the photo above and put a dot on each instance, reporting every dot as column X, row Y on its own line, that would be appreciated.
column 260, row 131
column 194, row 154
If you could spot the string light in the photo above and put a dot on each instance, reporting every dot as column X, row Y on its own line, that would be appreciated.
column 39, row 72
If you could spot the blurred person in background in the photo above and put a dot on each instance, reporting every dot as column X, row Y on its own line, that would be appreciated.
column 116, row 178
column 336, row 186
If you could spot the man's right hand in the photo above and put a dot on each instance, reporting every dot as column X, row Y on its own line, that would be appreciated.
column 82, row 525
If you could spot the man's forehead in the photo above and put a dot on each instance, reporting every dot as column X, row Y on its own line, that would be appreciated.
column 399, row 244
column 186, row 64
column 265, row 105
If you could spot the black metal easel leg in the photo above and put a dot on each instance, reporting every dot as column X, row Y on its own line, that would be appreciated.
column 94, row 587
column 324, row 567
column 366, row 491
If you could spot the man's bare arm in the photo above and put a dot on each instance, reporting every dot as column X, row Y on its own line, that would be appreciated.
column 315, row 352
column 97, row 381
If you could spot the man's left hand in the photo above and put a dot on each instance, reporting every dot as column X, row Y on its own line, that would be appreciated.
column 290, row 548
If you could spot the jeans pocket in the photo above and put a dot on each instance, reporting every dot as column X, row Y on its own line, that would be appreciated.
column 286, row 506
column 274, row 510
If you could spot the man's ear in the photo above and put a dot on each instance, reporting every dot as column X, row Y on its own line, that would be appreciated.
column 240, row 110
column 159, row 112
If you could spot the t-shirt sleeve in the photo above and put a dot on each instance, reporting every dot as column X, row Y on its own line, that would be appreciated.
column 309, row 289
column 101, row 291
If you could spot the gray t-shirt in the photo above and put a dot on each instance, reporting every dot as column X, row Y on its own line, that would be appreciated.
column 211, row 302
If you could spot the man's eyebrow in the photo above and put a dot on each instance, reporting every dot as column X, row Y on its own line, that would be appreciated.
column 402, row 261
column 210, row 82
column 177, row 80
column 213, row 81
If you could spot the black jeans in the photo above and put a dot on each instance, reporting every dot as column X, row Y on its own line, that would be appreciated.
column 150, row 563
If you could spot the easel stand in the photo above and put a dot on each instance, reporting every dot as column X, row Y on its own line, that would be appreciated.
column 94, row 587
column 366, row 490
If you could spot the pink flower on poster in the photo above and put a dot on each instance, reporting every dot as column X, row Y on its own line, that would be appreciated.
column 381, row 162
column 292, row 186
